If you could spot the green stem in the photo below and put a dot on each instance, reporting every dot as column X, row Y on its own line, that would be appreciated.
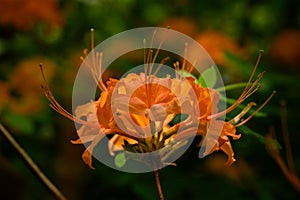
column 232, row 87
column 32, row 165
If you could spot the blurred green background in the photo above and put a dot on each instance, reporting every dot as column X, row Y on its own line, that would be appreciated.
column 56, row 32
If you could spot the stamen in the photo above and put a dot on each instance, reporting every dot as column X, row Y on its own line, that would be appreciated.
column 147, row 78
column 248, row 118
column 85, row 52
column 250, row 88
column 145, row 65
column 155, row 56
column 250, row 92
column 54, row 104
column 92, row 39
column 149, row 58
column 94, row 73
column 101, row 85
column 176, row 67
column 152, row 39
column 156, row 71
column 150, row 61
column 96, row 61
column 184, row 58
column 160, row 65
column 90, row 68
column 94, row 69
column 192, row 66
column 145, row 59
column 237, row 118
column 261, row 52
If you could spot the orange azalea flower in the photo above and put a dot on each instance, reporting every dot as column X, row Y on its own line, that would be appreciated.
column 138, row 109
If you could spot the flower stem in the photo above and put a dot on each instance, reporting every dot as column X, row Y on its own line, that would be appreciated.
column 158, row 186
column 32, row 165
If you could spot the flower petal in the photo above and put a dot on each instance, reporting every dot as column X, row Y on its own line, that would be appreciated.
column 84, row 109
column 87, row 156
column 227, row 149
column 116, row 143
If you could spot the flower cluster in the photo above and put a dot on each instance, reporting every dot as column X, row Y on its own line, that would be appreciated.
column 139, row 112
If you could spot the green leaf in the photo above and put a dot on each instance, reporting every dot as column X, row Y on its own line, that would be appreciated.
column 208, row 78
column 120, row 160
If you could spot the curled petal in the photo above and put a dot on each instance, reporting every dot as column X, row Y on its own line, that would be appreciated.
column 222, row 142
column 83, row 139
column 230, row 130
column 225, row 146
column 227, row 149
column 87, row 156
column 78, row 141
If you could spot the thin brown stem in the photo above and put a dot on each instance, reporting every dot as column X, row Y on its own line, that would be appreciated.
column 55, row 191
column 286, row 138
column 275, row 154
column 158, row 185
column 291, row 177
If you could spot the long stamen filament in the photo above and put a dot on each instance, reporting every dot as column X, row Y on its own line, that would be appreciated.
column 145, row 59
column 93, row 55
column 184, row 58
column 160, row 65
column 55, row 105
column 248, row 118
column 237, row 118
column 176, row 67
column 101, row 85
column 250, row 88
column 261, row 52
column 92, row 39
column 155, row 56
column 96, row 61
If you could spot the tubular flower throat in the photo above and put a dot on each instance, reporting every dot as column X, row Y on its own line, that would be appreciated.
column 138, row 111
